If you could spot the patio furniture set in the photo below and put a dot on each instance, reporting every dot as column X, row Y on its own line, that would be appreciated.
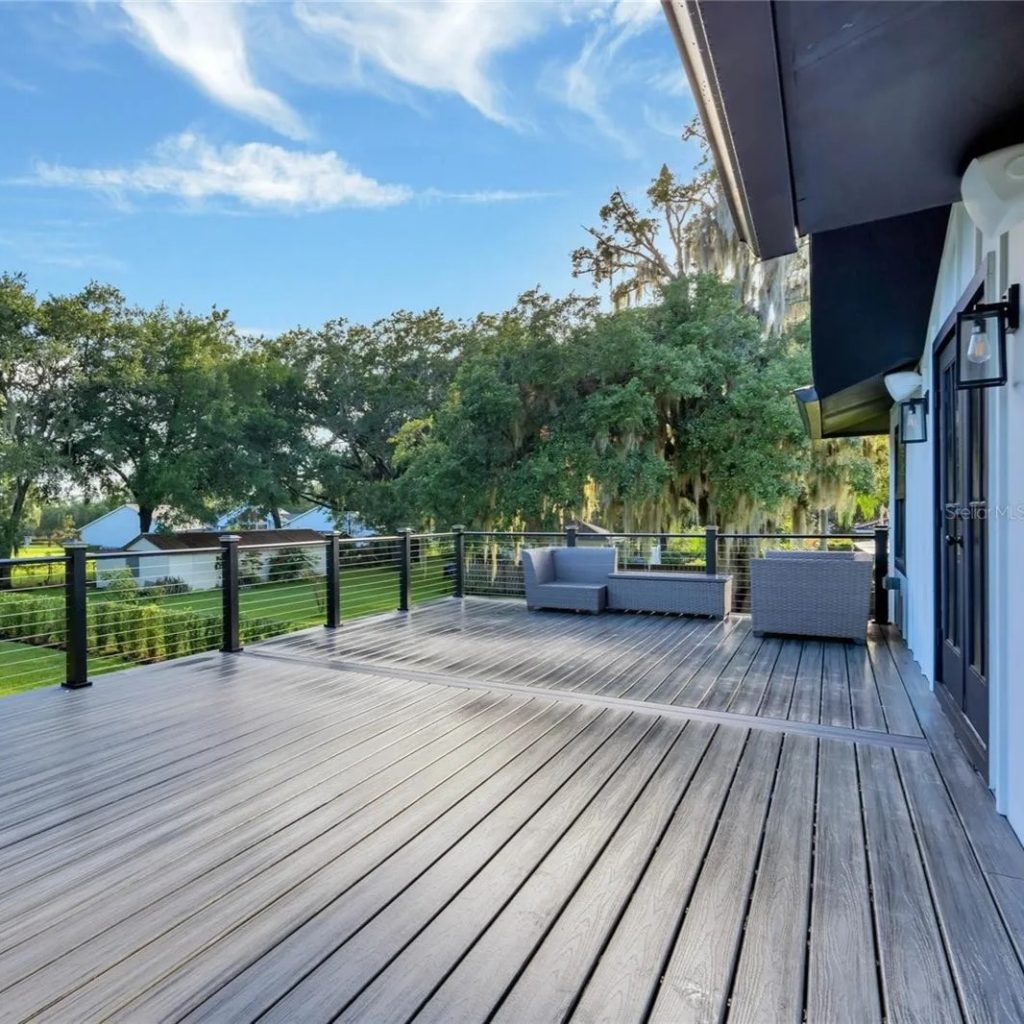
column 796, row 593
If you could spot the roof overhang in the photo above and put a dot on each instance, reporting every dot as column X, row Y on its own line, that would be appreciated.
column 852, row 123
column 827, row 113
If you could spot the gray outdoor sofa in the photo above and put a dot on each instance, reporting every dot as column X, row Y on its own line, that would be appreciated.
column 811, row 593
column 573, row 579
column 588, row 580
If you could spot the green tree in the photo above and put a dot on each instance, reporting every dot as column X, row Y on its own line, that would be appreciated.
column 43, row 358
column 154, row 417
column 363, row 384
column 270, row 428
column 686, row 229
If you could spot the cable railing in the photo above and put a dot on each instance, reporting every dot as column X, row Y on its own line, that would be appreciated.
column 33, row 623
column 72, row 617
column 75, row 616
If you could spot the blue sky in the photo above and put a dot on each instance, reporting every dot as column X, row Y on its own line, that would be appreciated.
column 295, row 162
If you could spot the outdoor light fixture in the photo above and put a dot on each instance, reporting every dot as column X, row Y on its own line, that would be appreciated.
column 914, row 420
column 903, row 384
column 993, row 190
column 981, row 341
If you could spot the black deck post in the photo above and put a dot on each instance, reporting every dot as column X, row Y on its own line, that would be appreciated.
column 881, row 571
column 459, row 533
column 570, row 535
column 333, row 566
column 711, row 550
column 230, row 642
column 76, row 675
column 404, row 569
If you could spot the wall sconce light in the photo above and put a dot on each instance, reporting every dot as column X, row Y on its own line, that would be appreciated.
column 914, row 420
column 993, row 190
column 981, row 341
column 903, row 384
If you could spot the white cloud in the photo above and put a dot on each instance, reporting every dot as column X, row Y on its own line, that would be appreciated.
column 586, row 84
column 207, row 41
column 593, row 78
column 255, row 174
column 447, row 46
column 493, row 195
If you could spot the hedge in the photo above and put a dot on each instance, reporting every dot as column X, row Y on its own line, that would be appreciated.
column 133, row 629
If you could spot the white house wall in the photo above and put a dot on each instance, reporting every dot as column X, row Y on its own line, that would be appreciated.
column 965, row 252
column 114, row 530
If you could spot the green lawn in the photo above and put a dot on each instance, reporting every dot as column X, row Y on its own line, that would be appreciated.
column 364, row 591
column 293, row 605
column 24, row 667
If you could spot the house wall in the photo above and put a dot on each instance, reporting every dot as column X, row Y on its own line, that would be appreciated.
column 114, row 530
column 966, row 252
column 198, row 571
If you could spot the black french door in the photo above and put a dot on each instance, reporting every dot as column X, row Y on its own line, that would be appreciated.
column 962, row 664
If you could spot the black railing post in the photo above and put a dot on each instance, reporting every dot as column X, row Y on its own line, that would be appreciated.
column 570, row 536
column 76, row 673
column 459, row 533
column 230, row 640
column 711, row 550
column 405, row 569
column 881, row 571
column 333, row 572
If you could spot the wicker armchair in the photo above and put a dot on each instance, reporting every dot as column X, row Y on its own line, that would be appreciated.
column 811, row 593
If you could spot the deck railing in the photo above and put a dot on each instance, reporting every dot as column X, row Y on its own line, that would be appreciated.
column 75, row 616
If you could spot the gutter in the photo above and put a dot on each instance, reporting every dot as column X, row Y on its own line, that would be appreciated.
column 687, row 29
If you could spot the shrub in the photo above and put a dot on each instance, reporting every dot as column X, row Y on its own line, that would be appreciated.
column 166, row 586
column 119, row 583
column 37, row 618
column 250, row 568
column 289, row 564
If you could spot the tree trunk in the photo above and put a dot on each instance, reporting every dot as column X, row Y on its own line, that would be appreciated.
column 275, row 516
column 145, row 518
column 12, row 535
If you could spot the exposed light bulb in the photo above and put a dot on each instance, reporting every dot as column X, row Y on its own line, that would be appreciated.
column 977, row 349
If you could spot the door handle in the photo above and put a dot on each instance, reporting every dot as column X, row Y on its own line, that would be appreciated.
column 951, row 540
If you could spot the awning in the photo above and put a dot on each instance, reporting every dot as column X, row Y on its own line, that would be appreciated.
column 871, row 297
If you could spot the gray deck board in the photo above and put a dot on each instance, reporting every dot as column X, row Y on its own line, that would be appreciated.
column 806, row 703
column 912, row 958
column 471, row 813
column 695, row 984
column 842, row 983
column 547, row 986
column 769, row 983
column 984, row 962
column 625, row 980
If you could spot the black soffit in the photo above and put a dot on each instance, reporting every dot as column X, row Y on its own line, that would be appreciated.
column 871, row 297
column 840, row 113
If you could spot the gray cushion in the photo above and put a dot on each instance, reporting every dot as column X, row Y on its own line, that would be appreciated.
column 591, row 597
column 811, row 554
column 538, row 566
column 584, row 565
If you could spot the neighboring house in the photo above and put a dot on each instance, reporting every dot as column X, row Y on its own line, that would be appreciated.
column 879, row 132
column 324, row 519
column 245, row 517
column 192, row 555
column 114, row 530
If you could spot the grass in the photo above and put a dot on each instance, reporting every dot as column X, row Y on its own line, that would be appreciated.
column 24, row 667
column 365, row 590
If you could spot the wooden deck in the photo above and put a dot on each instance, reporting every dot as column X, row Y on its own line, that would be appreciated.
column 474, row 814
